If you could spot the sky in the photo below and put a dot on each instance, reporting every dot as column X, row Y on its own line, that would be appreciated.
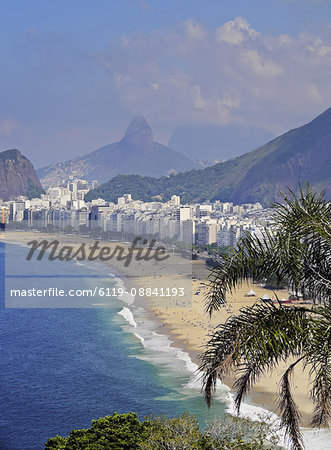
column 73, row 73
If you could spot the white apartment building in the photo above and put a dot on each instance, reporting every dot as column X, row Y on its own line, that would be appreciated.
column 167, row 227
column 184, row 213
column 175, row 200
column 16, row 211
column 204, row 210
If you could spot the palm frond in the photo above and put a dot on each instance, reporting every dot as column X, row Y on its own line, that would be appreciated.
column 289, row 412
column 253, row 342
column 297, row 251
column 252, row 258
column 319, row 360
column 243, row 385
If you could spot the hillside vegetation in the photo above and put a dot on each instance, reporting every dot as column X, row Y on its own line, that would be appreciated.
column 300, row 155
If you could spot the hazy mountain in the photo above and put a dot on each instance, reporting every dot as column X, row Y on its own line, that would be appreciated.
column 211, row 142
column 17, row 176
column 300, row 155
column 135, row 153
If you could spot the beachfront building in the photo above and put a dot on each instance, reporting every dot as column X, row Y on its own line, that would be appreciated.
column 16, row 211
column 97, row 214
column 182, row 214
column 207, row 232
column 188, row 232
column 112, row 222
column 167, row 227
column 202, row 224
column 128, row 223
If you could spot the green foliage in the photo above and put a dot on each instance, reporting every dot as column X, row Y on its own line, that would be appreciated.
column 298, row 251
column 34, row 191
column 141, row 188
column 194, row 185
column 57, row 442
column 176, row 433
column 234, row 432
column 295, row 252
column 125, row 432
column 118, row 432
column 251, row 177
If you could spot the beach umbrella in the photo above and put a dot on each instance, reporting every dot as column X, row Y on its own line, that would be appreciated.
column 250, row 293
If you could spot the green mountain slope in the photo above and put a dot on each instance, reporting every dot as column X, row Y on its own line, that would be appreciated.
column 300, row 155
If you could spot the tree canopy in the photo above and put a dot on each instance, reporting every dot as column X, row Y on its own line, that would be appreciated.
column 126, row 432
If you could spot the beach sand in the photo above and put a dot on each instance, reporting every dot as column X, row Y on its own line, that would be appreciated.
column 186, row 321
column 190, row 328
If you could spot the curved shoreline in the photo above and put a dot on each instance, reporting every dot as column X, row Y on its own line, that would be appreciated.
column 188, row 327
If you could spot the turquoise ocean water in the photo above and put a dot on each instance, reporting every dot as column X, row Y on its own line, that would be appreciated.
column 62, row 367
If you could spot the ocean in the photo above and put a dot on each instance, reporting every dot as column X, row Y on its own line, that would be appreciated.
column 63, row 367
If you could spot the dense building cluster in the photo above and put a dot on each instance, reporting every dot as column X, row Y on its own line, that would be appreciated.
column 215, row 222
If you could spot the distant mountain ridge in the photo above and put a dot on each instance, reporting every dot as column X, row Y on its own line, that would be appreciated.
column 17, row 176
column 135, row 153
column 300, row 155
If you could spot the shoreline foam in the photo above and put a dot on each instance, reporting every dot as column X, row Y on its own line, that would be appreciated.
column 190, row 339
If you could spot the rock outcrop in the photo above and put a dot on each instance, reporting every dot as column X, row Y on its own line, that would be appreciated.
column 17, row 175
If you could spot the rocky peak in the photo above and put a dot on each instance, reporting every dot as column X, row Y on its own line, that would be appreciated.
column 139, row 134
column 17, row 175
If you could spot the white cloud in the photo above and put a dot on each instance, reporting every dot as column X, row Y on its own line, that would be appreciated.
column 193, row 29
column 318, row 46
column 284, row 39
column 231, row 74
column 313, row 92
column 199, row 103
column 235, row 31
column 261, row 66
column 191, row 73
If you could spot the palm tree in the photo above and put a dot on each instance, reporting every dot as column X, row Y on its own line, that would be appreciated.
column 296, row 250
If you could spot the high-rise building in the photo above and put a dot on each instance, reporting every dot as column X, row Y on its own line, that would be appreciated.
column 175, row 200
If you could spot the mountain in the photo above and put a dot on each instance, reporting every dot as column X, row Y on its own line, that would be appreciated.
column 219, row 143
column 300, row 155
column 135, row 153
column 17, row 176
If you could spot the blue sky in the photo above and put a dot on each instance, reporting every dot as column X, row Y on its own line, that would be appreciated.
column 73, row 73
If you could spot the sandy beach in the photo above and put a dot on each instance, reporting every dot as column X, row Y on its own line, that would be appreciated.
column 190, row 328
column 185, row 320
